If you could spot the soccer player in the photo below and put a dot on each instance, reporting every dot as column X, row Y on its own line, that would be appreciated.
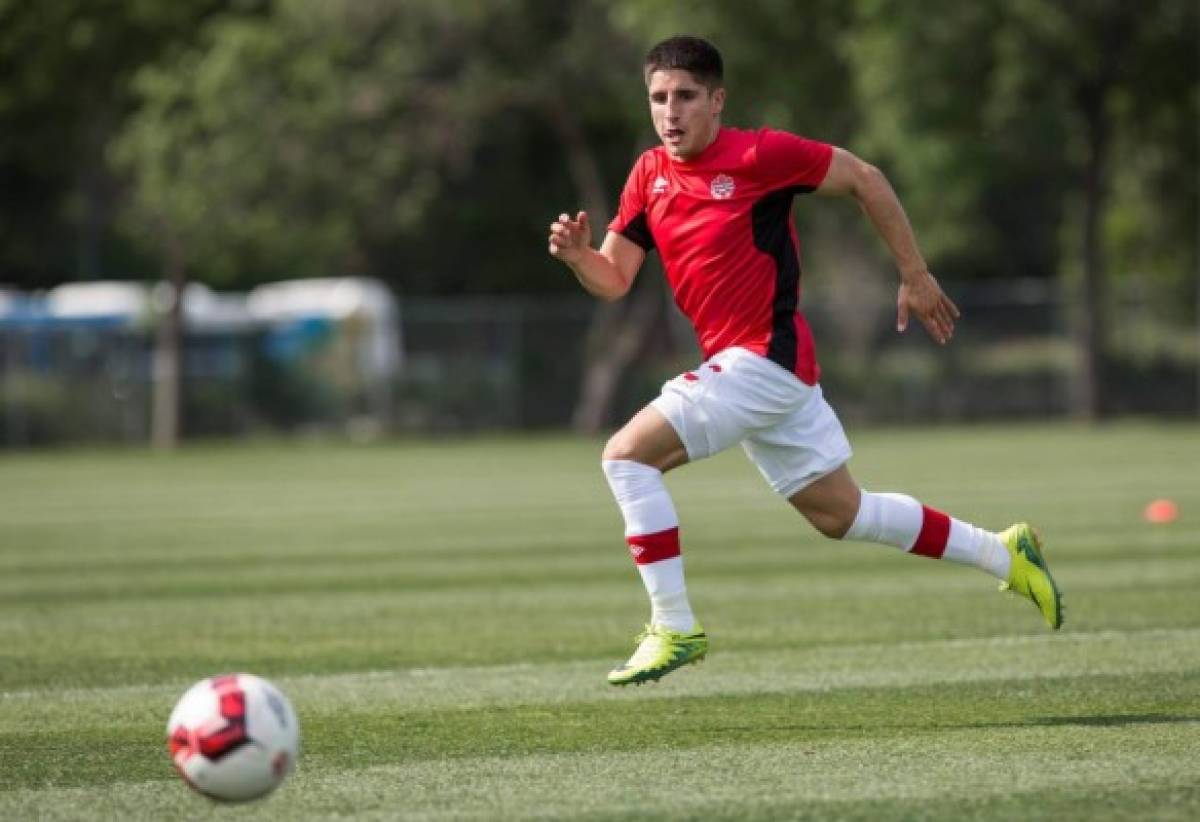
column 716, row 204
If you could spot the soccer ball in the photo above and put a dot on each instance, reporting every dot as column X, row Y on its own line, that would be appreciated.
column 233, row 737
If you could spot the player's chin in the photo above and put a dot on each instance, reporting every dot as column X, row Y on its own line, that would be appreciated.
column 679, row 150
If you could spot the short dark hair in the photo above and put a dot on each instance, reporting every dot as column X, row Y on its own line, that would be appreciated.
column 689, row 53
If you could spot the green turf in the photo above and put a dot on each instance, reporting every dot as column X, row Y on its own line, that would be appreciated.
column 443, row 614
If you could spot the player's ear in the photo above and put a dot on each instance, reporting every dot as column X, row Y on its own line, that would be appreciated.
column 718, row 99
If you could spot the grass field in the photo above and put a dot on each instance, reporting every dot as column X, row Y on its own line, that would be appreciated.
column 443, row 614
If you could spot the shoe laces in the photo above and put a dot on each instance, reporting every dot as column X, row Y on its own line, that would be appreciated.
column 650, row 644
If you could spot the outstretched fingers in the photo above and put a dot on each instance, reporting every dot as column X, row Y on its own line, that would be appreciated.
column 924, row 298
column 561, row 234
column 939, row 322
column 567, row 235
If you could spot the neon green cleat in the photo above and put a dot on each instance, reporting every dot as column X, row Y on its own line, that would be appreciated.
column 660, row 651
column 1029, row 575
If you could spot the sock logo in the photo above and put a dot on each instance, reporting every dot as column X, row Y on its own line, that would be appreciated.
column 650, row 548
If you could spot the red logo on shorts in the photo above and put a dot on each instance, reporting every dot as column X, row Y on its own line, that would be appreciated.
column 690, row 377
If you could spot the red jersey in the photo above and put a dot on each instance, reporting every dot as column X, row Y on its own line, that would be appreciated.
column 722, row 224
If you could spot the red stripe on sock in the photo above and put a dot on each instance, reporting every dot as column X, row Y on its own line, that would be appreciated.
column 935, row 532
column 647, row 548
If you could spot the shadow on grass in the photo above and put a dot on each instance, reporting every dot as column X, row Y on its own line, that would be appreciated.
column 1107, row 720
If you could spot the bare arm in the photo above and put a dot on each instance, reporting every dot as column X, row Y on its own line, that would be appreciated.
column 919, row 291
column 607, row 273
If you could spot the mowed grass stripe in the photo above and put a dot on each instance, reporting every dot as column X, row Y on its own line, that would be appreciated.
column 788, row 670
column 785, row 543
column 393, row 799
column 427, row 482
column 561, row 567
column 90, row 644
column 772, row 754
column 349, row 739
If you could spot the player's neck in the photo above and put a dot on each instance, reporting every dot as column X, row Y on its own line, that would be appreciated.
column 699, row 155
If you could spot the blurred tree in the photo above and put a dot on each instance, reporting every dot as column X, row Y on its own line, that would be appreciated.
column 1001, row 120
column 429, row 143
column 284, row 146
column 334, row 137
column 64, row 72
column 343, row 137
column 287, row 146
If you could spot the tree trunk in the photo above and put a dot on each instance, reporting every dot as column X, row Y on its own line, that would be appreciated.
column 619, row 336
column 1093, row 326
column 619, row 333
column 581, row 165
column 168, row 354
column 1115, row 29
column 94, row 187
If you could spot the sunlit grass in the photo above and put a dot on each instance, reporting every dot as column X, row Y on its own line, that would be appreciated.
column 443, row 613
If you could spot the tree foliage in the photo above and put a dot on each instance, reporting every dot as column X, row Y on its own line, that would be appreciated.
column 1010, row 125
column 429, row 142
column 355, row 137
column 64, row 92
column 288, row 146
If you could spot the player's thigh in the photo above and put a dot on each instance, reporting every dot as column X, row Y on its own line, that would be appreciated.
column 714, row 405
column 800, row 447
column 647, row 438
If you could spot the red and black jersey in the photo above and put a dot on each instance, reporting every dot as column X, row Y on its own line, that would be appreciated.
column 722, row 225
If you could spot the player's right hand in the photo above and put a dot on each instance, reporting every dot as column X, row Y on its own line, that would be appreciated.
column 569, row 239
column 921, row 296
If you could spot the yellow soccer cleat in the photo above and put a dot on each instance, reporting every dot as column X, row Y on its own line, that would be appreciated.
column 660, row 651
column 1029, row 575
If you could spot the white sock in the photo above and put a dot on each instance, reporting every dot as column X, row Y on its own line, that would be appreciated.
column 668, row 595
column 652, row 533
column 891, row 519
column 901, row 521
column 972, row 545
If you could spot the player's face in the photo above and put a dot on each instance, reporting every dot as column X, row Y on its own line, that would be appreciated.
column 685, row 112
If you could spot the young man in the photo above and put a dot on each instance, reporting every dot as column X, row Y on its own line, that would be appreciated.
column 716, row 204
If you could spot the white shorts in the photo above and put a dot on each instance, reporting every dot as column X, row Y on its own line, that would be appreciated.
column 785, row 426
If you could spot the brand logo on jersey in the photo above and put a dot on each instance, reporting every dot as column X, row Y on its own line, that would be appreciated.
column 660, row 185
column 721, row 187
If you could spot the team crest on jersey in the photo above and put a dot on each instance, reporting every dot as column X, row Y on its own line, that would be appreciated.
column 660, row 185
column 721, row 187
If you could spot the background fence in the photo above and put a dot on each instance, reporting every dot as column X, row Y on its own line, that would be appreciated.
column 516, row 363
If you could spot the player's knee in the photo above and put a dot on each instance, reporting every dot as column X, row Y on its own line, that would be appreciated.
column 620, row 446
column 833, row 524
column 833, row 521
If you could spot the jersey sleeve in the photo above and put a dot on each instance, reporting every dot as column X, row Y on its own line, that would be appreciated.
column 630, row 221
column 789, row 161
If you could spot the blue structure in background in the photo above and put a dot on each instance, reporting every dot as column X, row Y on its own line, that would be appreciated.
column 291, row 353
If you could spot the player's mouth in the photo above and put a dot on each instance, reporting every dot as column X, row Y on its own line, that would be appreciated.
column 673, row 135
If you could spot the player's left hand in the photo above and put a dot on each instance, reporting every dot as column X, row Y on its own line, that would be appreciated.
column 921, row 296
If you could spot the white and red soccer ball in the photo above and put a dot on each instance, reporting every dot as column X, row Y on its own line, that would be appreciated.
column 233, row 737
